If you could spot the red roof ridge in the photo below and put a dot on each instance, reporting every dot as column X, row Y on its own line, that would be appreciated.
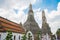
column 7, row 24
column 8, row 20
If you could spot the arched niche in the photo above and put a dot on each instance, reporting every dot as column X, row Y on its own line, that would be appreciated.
column 29, row 35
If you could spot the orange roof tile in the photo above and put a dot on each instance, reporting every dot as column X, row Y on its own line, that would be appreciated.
column 9, row 25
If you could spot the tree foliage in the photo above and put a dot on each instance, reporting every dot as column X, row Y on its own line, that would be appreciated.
column 24, row 37
column 9, row 35
column 39, row 35
column 29, row 36
column 58, row 32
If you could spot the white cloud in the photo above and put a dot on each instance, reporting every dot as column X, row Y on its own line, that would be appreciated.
column 20, row 4
column 58, row 8
column 16, row 4
column 53, row 18
column 7, row 6
column 6, row 10
column 38, row 16
column 11, row 15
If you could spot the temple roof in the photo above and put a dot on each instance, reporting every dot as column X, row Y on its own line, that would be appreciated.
column 6, row 24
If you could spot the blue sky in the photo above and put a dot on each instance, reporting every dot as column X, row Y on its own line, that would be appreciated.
column 49, row 4
column 45, row 4
column 17, row 11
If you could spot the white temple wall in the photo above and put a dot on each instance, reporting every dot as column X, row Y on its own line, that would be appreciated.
column 3, row 36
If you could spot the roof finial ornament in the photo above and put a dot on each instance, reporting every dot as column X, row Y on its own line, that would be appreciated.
column 43, row 16
column 30, row 6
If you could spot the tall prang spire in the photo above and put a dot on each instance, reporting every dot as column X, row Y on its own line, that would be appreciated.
column 30, row 12
column 30, row 23
column 30, row 6
column 43, row 17
column 45, row 25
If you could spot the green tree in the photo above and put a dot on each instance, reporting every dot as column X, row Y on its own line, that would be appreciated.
column 58, row 34
column 24, row 37
column 29, row 36
column 9, row 35
column 39, row 35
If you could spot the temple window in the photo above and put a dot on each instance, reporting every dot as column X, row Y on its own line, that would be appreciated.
column 19, row 37
column 0, row 36
column 14, row 37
